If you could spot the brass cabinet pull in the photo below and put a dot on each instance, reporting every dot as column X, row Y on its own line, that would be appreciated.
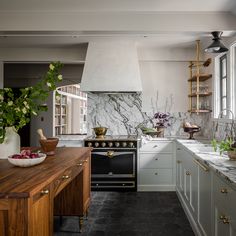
column 65, row 176
column 188, row 173
column 85, row 161
column 178, row 161
column 46, row 191
column 155, row 146
column 156, row 159
column 201, row 165
column 224, row 190
column 110, row 154
column 224, row 219
column 79, row 164
column 156, row 173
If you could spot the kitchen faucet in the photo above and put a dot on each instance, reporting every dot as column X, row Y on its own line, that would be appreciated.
column 232, row 128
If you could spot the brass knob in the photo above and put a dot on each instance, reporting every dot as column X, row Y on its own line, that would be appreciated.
column 96, row 144
column 222, row 217
column 225, row 220
column 224, row 190
column 103, row 144
column 178, row 162
column 90, row 144
column 85, row 161
column 46, row 191
column 65, row 176
column 156, row 173
column 79, row 164
column 110, row 144
column 110, row 154
column 188, row 173
column 156, row 159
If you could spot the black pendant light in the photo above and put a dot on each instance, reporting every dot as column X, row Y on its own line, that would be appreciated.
column 216, row 46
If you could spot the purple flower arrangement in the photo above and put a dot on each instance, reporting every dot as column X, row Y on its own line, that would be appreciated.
column 162, row 119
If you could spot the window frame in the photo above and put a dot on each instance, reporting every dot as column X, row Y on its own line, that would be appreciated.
column 221, row 78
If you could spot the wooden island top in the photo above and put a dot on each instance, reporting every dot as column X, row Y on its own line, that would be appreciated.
column 27, row 191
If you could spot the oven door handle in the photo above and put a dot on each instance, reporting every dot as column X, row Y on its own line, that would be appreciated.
column 110, row 154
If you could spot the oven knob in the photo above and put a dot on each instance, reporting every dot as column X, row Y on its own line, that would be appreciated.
column 90, row 144
column 124, row 144
column 117, row 144
column 131, row 144
column 110, row 144
column 96, row 144
column 103, row 144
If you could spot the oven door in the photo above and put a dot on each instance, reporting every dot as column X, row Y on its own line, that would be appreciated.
column 113, row 163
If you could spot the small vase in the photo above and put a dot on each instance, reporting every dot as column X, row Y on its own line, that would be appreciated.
column 160, row 131
column 11, row 143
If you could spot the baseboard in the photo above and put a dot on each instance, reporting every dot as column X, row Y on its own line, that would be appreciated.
column 153, row 188
column 191, row 220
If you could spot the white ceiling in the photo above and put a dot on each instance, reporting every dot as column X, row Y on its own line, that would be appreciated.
column 119, row 5
column 69, row 38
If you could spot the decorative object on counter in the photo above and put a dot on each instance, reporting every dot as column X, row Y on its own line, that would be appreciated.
column 100, row 132
column 153, row 132
column 161, row 121
column 26, row 158
column 48, row 144
column 191, row 129
column 11, row 143
column 16, row 110
column 228, row 145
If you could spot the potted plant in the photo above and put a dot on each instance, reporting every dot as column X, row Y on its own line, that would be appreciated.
column 16, row 111
column 161, row 121
column 228, row 145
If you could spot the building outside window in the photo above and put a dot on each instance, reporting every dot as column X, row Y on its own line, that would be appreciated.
column 223, row 84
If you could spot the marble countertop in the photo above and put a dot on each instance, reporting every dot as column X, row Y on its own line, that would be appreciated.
column 221, row 164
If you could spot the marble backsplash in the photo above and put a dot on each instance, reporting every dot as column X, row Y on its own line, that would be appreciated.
column 122, row 114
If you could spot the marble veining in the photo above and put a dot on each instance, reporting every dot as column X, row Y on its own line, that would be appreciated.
column 122, row 114
column 220, row 164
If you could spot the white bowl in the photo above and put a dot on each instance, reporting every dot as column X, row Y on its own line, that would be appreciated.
column 27, row 162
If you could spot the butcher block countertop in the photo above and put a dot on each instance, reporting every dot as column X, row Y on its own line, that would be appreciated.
column 23, row 182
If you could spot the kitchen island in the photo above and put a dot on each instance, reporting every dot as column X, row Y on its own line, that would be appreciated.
column 29, row 197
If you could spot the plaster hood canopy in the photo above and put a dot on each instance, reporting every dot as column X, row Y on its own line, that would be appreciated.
column 110, row 67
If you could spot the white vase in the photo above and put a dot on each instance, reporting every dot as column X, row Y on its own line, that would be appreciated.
column 11, row 144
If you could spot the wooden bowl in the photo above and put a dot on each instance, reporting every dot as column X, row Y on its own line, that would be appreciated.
column 49, row 145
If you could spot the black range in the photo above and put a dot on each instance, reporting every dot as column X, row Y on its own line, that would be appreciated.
column 114, row 162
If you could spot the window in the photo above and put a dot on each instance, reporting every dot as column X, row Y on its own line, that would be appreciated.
column 223, row 84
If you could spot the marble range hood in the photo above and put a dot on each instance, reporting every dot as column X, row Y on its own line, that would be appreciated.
column 111, row 67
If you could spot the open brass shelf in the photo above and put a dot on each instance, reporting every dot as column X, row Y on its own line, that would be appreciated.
column 200, row 94
column 202, row 77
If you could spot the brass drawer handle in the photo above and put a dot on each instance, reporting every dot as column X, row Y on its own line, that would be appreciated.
column 224, row 190
column 188, row 173
column 110, row 154
column 46, row 191
column 225, row 220
column 201, row 165
column 65, row 176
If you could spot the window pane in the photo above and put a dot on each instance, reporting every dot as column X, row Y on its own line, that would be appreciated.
column 224, row 67
column 223, row 89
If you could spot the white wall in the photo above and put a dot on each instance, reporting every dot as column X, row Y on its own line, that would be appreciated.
column 164, row 74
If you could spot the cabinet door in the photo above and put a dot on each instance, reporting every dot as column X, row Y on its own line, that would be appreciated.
column 221, row 228
column 204, row 200
column 179, row 171
column 42, row 213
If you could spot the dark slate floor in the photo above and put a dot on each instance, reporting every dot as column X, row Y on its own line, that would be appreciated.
column 130, row 214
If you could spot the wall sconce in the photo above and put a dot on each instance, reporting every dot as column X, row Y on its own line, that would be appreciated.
column 216, row 46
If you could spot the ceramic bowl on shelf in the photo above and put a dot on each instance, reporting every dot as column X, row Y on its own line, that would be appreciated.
column 27, row 162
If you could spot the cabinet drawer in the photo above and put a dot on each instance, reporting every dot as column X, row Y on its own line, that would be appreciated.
column 66, row 177
column 155, row 160
column 160, row 146
column 155, row 176
column 41, row 193
column 225, row 196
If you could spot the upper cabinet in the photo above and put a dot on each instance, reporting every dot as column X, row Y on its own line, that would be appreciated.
column 199, row 87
